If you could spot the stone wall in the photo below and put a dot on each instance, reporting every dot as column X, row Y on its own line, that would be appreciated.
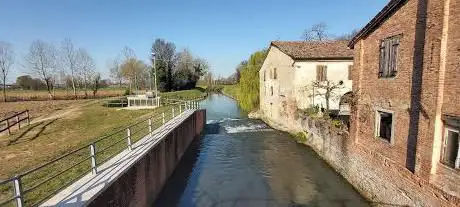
column 140, row 185
column 380, row 180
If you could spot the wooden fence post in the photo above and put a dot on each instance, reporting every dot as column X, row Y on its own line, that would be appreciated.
column 28, row 118
column 8, row 126
column 17, row 121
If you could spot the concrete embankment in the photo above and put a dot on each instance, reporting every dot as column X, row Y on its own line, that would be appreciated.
column 136, row 177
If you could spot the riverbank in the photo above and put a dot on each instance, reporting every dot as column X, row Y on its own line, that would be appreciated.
column 380, row 180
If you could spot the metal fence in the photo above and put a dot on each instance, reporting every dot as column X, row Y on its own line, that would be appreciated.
column 38, row 184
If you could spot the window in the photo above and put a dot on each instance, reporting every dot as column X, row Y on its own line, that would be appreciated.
column 265, row 72
column 384, row 125
column 271, row 90
column 350, row 72
column 275, row 75
column 451, row 156
column 389, row 57
column 321, row 73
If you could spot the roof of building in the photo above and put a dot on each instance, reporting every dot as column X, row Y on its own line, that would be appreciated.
column 305, row 50
column 383, row 15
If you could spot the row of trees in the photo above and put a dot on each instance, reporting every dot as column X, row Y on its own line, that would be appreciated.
column 51, row 65
column 174, row 70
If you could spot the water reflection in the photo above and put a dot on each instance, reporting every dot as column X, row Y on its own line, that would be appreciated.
column 241, row 162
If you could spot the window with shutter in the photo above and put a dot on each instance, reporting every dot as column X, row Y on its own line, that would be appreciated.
column 321, row 73
column 389, row 57
column 324, row 78
column 318, row 73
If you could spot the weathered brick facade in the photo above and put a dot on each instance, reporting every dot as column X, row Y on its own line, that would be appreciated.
column 425, row 88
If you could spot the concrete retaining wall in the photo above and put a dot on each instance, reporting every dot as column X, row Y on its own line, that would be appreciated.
column 140, row 185
column 136, row 176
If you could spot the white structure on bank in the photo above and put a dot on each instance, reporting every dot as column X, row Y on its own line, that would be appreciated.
column 290, row 69
column 144, row 101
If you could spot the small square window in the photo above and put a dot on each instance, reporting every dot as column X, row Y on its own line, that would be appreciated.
column 384, row 126
column 451, row 155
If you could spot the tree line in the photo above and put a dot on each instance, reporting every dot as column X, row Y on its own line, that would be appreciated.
column 175, row 70
column 49, row 66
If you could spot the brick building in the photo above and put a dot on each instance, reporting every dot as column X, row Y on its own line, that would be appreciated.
column 406, row 81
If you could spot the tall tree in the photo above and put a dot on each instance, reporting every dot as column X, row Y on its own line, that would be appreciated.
column 6, row 61
column 115, row 71
column 165, row 62
column 42, row 59
column 69, row 62
column 86, row 68
column 317, row 32
column 129, row 67
column 248, row 87
column 134, row 71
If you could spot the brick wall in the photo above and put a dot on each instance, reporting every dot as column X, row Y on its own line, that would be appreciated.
column 414, row 93
column 452, row 80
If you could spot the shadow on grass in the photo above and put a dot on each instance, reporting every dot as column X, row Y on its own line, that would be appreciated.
column 43, row 127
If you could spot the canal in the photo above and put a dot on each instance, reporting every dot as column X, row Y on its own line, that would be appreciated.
column 243, row 162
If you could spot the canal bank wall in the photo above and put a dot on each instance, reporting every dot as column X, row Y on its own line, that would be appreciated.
column 381, row 181
column 136, row 177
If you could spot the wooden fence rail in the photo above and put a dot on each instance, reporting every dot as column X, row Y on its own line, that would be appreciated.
column 13, row 120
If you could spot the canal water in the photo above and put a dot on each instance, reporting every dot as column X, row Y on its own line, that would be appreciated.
column 243, row 162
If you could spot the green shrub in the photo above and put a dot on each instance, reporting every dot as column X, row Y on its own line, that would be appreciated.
column 337, row 123
column 311, row 111
column 301, row 137
column 127, row 92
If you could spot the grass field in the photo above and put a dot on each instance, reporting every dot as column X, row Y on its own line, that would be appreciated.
column 61, row 126
column 230, row 90
column 60, row 94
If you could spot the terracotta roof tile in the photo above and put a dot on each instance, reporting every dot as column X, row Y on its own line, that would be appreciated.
column 315, row 49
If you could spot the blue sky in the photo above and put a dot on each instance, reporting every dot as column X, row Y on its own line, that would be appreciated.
column 223, row 32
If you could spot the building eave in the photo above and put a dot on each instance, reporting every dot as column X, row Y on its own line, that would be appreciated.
column 381, row 17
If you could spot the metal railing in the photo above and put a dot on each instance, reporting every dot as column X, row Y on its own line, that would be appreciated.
column 40, row 183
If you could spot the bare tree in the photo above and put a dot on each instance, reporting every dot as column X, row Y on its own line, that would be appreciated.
column 348, row 36
column 69, row 59
column 86, row 68
column 115, row 71
column 317, row 32
column 96, row 83
column 327, row 89
column 6, row 61
column 42, row 59
column 129, row 66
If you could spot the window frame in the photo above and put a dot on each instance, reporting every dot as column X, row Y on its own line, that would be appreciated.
column 275, row 74
column 389, row 57
column 448, row 128
column 377, row 125
column 321, row 73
